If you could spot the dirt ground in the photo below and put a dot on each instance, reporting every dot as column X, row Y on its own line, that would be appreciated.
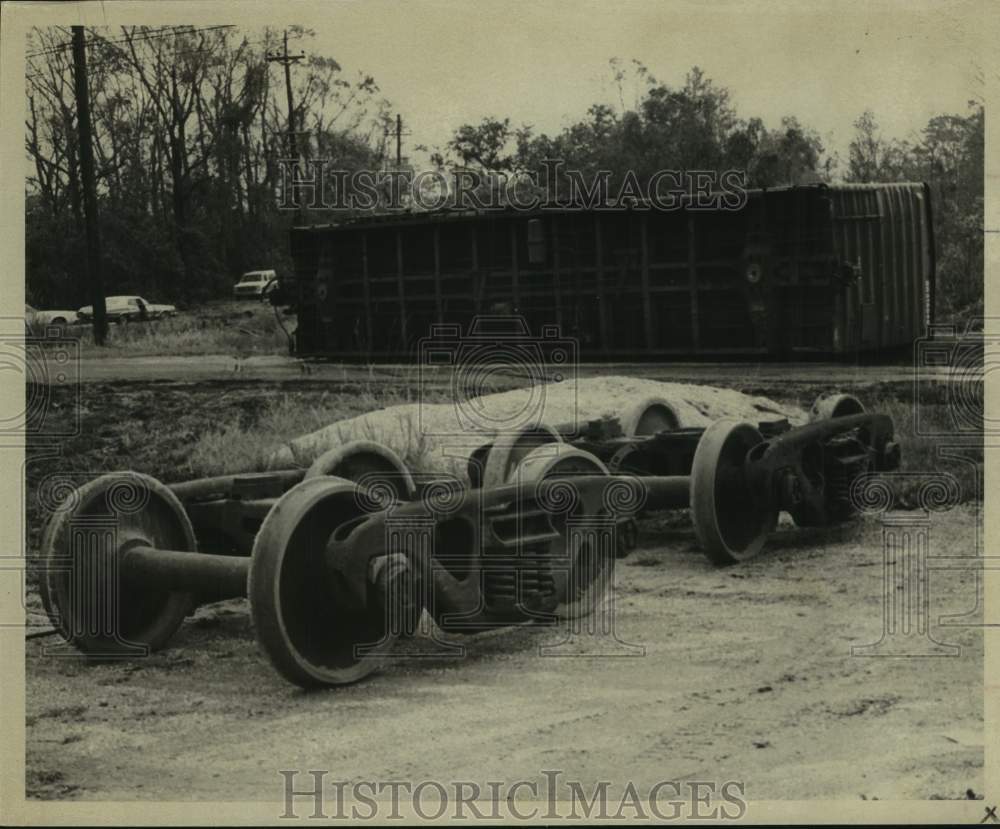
column 745, row 673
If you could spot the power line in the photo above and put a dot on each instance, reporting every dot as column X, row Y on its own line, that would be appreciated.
column 172, row 54
column 176, row 53
column 61, row 47
column 154, row 34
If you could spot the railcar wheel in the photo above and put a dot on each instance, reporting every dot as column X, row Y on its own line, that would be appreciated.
column 87, row 600
column 652, row 415
column 368, row 463
column 828, row 406
column 309, row 639
column 587, row 577
column 729, row 526
column 509, row 450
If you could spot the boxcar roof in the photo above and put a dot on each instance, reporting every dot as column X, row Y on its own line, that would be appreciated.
column 450, row 214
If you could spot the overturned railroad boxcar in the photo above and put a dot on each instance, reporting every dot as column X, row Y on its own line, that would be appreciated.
column 822, row 270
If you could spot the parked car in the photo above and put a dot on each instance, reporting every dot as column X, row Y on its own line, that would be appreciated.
column 126, row 308
column 37, row 318
column 255, row 285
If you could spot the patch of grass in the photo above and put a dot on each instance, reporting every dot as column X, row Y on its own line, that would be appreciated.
column 240, row 444
column 246, row 329
column 931, row 444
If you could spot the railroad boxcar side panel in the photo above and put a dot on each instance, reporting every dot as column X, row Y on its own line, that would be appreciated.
column 798, row 270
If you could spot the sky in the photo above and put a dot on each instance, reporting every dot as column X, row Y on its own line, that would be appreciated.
column 443, row 64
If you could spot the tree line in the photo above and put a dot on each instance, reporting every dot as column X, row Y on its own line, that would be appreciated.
column 696, row 127
column 189, row 125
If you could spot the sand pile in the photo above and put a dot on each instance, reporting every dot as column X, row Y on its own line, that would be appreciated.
column 439, row 437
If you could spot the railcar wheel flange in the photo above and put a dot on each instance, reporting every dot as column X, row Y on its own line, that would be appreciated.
column 309, row 638
column 650, row 416
column 510, row 449
column 87, row 596
column 828, row 406
column 728, row 520
column 368, row 463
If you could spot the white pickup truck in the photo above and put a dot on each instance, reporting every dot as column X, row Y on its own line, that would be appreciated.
column 255, row 285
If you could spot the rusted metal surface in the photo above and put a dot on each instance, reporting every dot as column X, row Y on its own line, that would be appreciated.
column 796, row 271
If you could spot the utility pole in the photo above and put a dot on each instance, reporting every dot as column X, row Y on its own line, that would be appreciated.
column 399, row 141
column 89, row 187
column 399, row 133
column 286, row 60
